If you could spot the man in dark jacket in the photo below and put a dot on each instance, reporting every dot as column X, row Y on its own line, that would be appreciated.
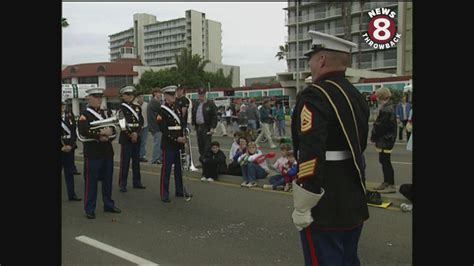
column 205, row 120
column 329, row 130
column 384, row 133
column 213, row 163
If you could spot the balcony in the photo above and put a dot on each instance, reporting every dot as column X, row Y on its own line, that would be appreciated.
column 306, row 18
column 301, row 37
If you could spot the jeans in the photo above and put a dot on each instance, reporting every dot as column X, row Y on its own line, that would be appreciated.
column 157, row 154
column 281, row 127
column 387, row 168
column 252, row 171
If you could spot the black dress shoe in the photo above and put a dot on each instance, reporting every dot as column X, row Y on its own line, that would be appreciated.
column 123, row 189
column 139, row 186
column 90, row 216
column 157, row 162
column 143, row 160
column 166, row 200
column 114, row 210
column 75, row 198
column 77, row 173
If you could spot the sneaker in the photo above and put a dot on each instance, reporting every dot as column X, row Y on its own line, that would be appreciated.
column 287, row 187
column 381, row 186
column 389, row 189
column 252, row 184
column 143, row 160
column 210, row 179
column 279, row 187
column 266, row 186
column 203, row 179
column 273, row 146
column 244, row 184
column 405, row 207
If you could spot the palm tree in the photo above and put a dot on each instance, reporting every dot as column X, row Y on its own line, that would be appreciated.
column 64, row 22
column 283, row 52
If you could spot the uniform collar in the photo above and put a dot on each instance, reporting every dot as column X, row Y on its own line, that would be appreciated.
column 331, row 75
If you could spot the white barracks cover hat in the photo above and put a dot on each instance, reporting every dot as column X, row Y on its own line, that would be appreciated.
column 323, row 41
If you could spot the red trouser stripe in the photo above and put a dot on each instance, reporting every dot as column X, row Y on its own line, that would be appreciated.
column 87, row 182
column 314, row 260
column 163, row 166
column 120, row 169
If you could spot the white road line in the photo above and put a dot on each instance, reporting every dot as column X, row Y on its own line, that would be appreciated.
column 115, row 251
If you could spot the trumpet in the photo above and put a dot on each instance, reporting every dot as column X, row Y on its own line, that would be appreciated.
column 117, row 121
column 187, row 157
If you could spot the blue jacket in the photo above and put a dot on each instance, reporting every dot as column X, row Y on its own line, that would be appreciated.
column 399, row 110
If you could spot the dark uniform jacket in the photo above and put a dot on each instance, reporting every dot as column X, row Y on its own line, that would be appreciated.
column 170, row 128
column 95, row 149
column 384, row 131
column 134, row 124
column 181, row 102
column 316, row 128
column 68, row 138
column 209, row 110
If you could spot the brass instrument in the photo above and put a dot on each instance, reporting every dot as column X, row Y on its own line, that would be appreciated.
column 116, row 121
column 187, row 163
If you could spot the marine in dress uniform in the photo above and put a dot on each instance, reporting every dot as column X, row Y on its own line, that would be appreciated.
column 98, row 154
column 129, row 139
column 329, row 131
column 68, row 145
column 169, row 119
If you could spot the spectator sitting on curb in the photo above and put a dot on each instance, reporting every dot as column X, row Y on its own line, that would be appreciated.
column 254, row 166
column 213, row 163
column 234, row 166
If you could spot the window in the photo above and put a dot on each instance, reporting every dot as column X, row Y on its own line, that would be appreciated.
column 101, row 69
column 72, row 70
column 118, row 81
column 88, row 80
column 66, row 81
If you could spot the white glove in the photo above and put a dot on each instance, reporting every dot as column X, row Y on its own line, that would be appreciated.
column 303, row 202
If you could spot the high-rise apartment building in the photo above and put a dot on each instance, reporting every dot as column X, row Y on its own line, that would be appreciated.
column 327, row 17
column 157, row 42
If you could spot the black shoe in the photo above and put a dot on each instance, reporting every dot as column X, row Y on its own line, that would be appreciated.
column 75, row 198
column 114, row 210
column 77, row 173
column 90, row 216
column 166, row 200
column 123, row 189
column 158, row 162
column 139, row 186
column 143, row 160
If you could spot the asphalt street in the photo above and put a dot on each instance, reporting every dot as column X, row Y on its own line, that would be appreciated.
column 223, row 224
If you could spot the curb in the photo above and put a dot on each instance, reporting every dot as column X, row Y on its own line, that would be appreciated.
column 395, row 198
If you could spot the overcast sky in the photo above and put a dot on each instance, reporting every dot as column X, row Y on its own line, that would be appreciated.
column 251, row 32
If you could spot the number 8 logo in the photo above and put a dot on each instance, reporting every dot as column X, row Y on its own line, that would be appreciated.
column 381, row 29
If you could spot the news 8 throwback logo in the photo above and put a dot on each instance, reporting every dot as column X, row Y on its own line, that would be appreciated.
column 381, row 33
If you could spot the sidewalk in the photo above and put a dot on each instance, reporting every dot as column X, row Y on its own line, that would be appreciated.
column 395, row 198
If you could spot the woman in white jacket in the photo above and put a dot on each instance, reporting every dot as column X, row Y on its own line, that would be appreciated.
column 254, row 166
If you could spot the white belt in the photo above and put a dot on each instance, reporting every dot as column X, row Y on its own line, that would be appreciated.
column 338, row 155
column 67, row 137
column 133, row 124
column 174, row 128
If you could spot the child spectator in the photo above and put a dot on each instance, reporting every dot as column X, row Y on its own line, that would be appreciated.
column 213, row 163
column 234, row 166
column 254, row 166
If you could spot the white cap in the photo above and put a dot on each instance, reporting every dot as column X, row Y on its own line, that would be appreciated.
column 323, row 41
column 95, row 91
column 168, row 89
column 127, row 89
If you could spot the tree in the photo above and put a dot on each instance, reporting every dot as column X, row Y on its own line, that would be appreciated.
column 283, row 52
column 190, row 68
column 64, row 23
